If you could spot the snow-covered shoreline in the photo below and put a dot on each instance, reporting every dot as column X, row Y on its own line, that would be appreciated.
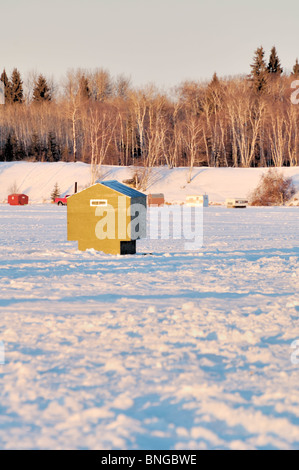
column 37, row 180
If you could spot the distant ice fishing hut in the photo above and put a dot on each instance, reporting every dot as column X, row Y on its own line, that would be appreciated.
column 108, row 216
column 18, row 199
column 156, row 200
column 197, row 201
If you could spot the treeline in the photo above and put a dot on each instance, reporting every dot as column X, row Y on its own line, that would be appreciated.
column 241, row 121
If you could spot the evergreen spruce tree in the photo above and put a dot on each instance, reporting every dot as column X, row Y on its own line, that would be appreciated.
column 41, row 90
column 274, row 66
column 7, row 87
column 259, row 73
column 214, row 93
column 55, row 193
column 84, row 89
column 296, row 69
column 214, row 83
column 10, row 148
column 16, row 87
column 53, row 151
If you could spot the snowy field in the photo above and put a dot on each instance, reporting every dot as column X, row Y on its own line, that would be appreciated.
column 173, row 350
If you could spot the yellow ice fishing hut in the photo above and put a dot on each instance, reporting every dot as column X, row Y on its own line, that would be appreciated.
column 108, row 216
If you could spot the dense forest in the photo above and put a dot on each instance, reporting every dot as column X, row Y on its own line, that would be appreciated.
column 244, row 121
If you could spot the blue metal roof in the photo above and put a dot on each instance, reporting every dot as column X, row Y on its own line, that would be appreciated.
column 122, row 188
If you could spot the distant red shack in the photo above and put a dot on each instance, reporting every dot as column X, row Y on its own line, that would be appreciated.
column 155, row 200
column 18, row 199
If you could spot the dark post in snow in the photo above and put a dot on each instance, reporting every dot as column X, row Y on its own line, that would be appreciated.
column 76, row 187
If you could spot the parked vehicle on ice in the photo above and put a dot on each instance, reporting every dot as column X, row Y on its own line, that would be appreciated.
column 237, row 203
column 61, row 201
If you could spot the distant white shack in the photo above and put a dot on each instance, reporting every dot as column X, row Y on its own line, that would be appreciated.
column 236, row 203
column 195, row 201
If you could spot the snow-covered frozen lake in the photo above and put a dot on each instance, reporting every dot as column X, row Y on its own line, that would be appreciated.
column 173, row 350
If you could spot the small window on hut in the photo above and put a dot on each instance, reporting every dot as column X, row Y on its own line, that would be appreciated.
column 98, row 202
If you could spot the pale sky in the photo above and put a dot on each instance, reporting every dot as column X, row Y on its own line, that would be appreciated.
column 159, row 41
